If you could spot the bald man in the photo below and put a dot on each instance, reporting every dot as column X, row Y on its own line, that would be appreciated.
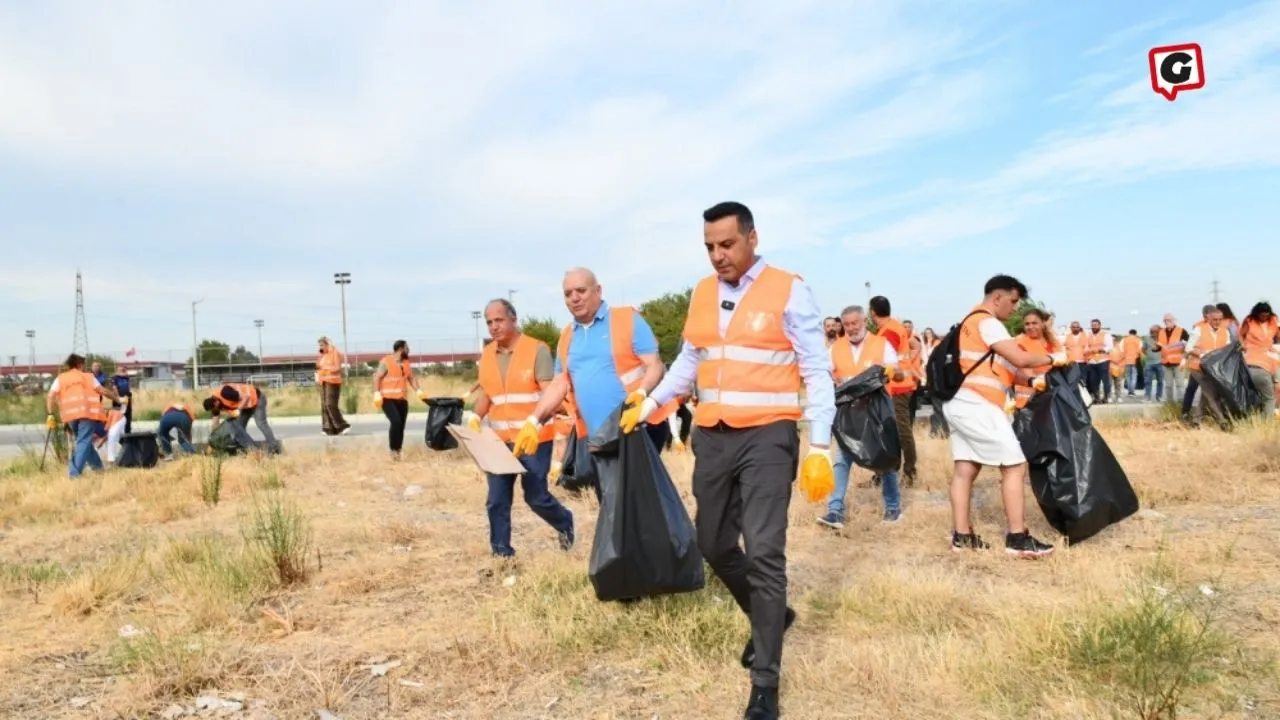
column 606, row 355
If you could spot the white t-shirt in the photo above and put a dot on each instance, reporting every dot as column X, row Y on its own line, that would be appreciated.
column 991, row 331
column 54, row 387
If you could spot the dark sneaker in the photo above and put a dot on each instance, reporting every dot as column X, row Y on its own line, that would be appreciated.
column 763, row 704
column 967, row 541
column 566, row 539
column 749, row 652
column 1023, row 545
column 892, row 516
column 832, row 520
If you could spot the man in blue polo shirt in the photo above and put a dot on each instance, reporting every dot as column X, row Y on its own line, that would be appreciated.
column 593, row 365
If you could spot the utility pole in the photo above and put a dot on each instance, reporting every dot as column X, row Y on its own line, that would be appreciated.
column 31, row 344
column 258, row 324
column 342, row 280
column 1216, row 297
column 195, row 348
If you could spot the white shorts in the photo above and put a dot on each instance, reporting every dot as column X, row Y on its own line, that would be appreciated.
column 981, row 432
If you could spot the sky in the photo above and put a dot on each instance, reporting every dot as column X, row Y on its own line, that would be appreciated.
column 448, row 153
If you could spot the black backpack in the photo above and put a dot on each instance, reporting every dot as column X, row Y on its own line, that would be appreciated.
column 942, row 369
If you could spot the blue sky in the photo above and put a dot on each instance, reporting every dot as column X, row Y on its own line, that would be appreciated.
column 445, row 153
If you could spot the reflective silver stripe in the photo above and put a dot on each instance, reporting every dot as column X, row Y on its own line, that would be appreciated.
column 971, row 355
column 515, row 398
column 631, row 376
column 506, row 424
column 986, row 381
column 750, row 399
column 741, row 353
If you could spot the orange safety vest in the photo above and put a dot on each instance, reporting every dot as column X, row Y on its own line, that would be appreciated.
column 990, row 379
column 78, row 397
column 749, row 376
column 1095, row 345
column 513, row 398
column 907, row 385
column 630, row 369
column 1168, row 355
column 329, row 365
column 845, row 365
column 1258, row 340
column 1209, row 341
column 1075, row 344
column 562, row 424
column 395, row 384
column 248, row 396
column 1117, row 361
column 1132, row 345
column 181, row 407
column 1022, row 392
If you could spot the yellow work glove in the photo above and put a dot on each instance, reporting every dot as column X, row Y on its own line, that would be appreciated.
column 554, row 473
column 423, row 396
column 50, row 423
column 471, row 420
column 635, row 397
column 527, row 441
column 636, row 414
column 377, row 400
column 1038, row 384
column 817, row 479
column 1010, row 406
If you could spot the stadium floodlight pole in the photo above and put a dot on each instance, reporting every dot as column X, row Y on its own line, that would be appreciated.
column 258, row 324
column 475, row 315
column 31, row 345
column 511, row 295
column 342, row 280
column 195, row 348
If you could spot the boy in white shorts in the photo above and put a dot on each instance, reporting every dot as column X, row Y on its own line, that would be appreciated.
column 981, row 432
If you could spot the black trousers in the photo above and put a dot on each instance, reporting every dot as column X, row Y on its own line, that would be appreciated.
column 742, row 479
column 686, row 422
column 397, row 411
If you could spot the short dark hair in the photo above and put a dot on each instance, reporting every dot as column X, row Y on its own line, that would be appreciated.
column 879, row 306
column 506, row 305
column 74, row 361
column 1007, row 283
column 399, row 345
column 1260, row 309
column 720, row 211
column 1133, row 331
column 210, row 404
column 1095, row 320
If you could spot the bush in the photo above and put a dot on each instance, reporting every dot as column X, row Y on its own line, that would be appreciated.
column 279, row 535
column 211, row 480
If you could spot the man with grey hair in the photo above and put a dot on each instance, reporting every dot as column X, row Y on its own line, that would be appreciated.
column 1171, row 342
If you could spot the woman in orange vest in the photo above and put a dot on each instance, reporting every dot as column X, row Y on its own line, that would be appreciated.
column 515, row 370
column 329, row 376
column 1259, row 334
column 391, row 383
column 78, row 396
column 1037, row 337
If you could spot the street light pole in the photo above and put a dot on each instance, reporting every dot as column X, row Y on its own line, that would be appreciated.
column 342, row 280
column 868, row 285
column 511, row 296
column 475, row 315
column 195, row 348
column 258, row 324
column 31, row 344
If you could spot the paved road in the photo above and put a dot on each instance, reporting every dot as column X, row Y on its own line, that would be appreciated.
column 365, row 429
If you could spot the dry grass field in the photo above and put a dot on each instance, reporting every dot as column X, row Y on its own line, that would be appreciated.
column 339, row 581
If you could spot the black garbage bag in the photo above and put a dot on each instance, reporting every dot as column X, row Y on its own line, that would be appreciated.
column 1077, row 480
column 865, row 426
column 938, row 427
column 441, row 413
column 578, row 469
column 138, row 450
column 1228, row 373
column 645, row 543
column 223, row 440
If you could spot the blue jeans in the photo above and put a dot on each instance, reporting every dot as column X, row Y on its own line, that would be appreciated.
column 888, row 485
column 536, row 496
column 1130, row 378
column 84, row 453
column 1153, row 376
column 175, row 420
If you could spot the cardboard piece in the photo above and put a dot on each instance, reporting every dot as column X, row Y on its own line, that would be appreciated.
column 487, row 449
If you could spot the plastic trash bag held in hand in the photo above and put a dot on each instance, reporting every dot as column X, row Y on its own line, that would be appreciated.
column 866, row 428
column 645, row 543
column 1226, row 370
column 578, row 469
column 441, row 413
column 1076, row 479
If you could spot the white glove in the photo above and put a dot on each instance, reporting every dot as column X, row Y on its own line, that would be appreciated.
column 377, row 396
column 826, row 451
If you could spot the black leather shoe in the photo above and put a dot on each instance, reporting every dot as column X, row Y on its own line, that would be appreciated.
column 749, row 652
column 763, row 704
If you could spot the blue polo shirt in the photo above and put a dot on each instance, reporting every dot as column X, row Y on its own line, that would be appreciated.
column 592, row 372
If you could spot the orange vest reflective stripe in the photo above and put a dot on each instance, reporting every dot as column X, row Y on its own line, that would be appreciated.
column 1258, row 340
column 395, row 384
column 78, row 399
column 1132, row 346
column 1021, row 391
column 749, row 376
column 512, row 398
column 991, row 378
column 1075, row 344
column 869, row 352
column 180, row 407
column 329, row 365
column 630, row 369
column 1168, row 355
column 907, row 385
column 1209, row 341
column 248, row 396
column 1095, row 345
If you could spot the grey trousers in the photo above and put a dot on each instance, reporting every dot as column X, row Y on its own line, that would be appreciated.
column 1173, row 377
column 742, row 481
column 259, row 415
column 1265, row 383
